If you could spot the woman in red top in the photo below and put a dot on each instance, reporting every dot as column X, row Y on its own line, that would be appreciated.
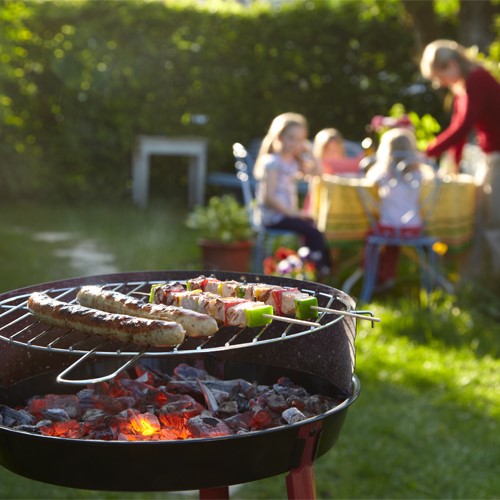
column 476, row 107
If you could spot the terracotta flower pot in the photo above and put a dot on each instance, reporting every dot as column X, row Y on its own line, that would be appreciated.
column 226, row 256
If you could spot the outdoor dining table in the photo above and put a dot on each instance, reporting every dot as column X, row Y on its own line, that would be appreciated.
column 448, row 208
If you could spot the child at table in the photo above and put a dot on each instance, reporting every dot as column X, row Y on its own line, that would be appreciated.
column 329, row 151
column 279, row 164
column 398, row 172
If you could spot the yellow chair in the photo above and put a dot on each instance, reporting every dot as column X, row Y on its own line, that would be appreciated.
column 450, row 217
column 338, row 211
column 336, row 207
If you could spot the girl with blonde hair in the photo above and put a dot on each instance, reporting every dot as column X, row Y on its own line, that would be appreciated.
column 330, row 153
column 398, row 172
column 280, row 162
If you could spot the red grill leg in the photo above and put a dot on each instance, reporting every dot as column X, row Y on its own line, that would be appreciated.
column 300, row 482
column 221, row 493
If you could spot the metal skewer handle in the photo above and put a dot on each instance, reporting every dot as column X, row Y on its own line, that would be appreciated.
column 358, row 314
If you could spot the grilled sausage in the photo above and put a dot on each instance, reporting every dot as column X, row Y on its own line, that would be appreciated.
column 113, row 326
column 196, row 324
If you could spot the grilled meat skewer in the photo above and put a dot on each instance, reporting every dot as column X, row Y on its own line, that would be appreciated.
column 229, row 311
column 285, row 301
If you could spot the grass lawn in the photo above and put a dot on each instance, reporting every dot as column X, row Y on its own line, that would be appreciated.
column 427, row 422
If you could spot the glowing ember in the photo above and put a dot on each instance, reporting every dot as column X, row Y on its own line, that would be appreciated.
column 145, row 424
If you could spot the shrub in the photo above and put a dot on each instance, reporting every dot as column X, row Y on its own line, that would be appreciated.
column 82, row 79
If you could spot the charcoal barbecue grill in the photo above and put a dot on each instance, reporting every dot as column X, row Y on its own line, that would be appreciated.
column 35, row 358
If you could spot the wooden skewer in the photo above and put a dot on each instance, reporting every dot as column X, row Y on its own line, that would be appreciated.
column 286, row 319
column 346, row 313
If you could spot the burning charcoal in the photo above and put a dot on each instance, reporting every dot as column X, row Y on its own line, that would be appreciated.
column 133, row 422
column 99, row 399
column 174, row 415
column 275, row 402
column 251, row 391
column 171, row 434
column 297, row 402
column 174, row 426
column 69, row 429
column 67, row 402
column 154, row 407
column 10, row 417
column 227, row 409
column 261, row 419
column 122, row 420
column 42, row 423
column 153, row 377
column 318, row 404
column 139, row 390
column 184, row 372
column 94, row 415
column 86, row 397
column 210, row 400
column 103, row 433
column 206, row 425
column 285, row 382
column 55, row 415
column 125, row 402
column 241, row 400
column 190, row 387
column 145, row 424
column 114, row 405
column 146, row 378
column 288, row 391
column 228, row 386
column 182, row 403
column 292, row 415
column 240, row 422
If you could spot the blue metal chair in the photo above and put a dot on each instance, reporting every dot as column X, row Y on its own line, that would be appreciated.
column 265, row 237
column 426, row 258
column 422, row 245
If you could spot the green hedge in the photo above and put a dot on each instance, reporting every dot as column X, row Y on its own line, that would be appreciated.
column 80, row 80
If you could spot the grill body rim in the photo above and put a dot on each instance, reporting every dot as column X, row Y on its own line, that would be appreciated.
column 188, row 464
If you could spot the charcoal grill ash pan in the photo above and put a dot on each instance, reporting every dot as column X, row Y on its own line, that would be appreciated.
column 320, row 359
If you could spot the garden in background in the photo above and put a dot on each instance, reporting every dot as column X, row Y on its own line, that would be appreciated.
column 80, row 80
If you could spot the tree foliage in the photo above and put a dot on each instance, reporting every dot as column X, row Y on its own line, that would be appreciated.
column 80, row 80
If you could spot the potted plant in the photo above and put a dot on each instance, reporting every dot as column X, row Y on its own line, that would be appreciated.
column 226, row 235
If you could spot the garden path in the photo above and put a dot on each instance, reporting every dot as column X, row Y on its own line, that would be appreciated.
column 84, row 256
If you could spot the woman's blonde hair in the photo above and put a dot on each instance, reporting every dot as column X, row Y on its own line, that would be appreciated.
column 323, row 137
column 438, row 54
column 278, row 126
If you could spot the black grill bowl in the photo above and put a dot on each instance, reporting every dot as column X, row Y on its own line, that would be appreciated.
column 172, row 465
